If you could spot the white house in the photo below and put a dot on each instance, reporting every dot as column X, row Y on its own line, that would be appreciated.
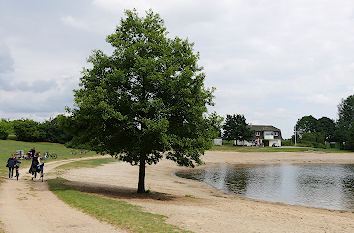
column 264, row 135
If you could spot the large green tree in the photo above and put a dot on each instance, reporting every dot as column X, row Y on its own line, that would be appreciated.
column 54, row 131
column 146, row 99
column 306, row 124
column 28, row 130
column 327, row 127
column 5, row 128
column 345, row 124
column 236, row 128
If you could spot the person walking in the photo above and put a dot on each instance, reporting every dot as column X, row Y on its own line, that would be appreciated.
column 11, row 163
column 34, row 166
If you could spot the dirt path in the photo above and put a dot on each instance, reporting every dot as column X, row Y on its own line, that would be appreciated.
column 29, row 206
column 214, row 211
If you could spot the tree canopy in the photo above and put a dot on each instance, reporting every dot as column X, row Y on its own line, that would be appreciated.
column 327, row 127
column 306, row 124
column 236, row 128
column 146, row 99
column 4, row 129
column 345, row 124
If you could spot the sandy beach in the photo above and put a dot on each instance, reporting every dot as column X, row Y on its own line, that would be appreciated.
column 198, row 207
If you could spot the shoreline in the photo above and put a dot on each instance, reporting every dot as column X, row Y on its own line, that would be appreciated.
column 197, row 206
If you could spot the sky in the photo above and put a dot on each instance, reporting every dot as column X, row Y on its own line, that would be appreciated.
column 272, row 60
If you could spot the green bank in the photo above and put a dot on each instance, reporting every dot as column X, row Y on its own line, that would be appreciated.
column 8, row 147
column 116, row 212
column 228, row 146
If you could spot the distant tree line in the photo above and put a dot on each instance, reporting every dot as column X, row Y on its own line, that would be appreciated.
column 319, row 132
column 236, row 128
column 28, row 130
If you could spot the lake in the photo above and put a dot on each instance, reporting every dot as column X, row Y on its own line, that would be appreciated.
column 321, row 186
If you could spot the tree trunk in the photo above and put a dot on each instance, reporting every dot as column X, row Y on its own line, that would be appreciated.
column 141, row 184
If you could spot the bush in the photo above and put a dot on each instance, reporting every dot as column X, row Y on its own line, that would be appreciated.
column 287, row 142
column 28, row 130
column 54, row 131
column 5, row 129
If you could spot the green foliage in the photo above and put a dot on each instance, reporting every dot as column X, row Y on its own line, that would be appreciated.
column 145, row 99
column 5, row 129
column 115, row 212
column 345, row 124
column 287, row 142
column 49, row 131
column 316, row 140
column 327, row 127
column 236, row 128
column 315, row 132
column 28, row 130
column 54, row 131
column 307, row 124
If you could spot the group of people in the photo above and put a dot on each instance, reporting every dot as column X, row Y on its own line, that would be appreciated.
column 13, row 163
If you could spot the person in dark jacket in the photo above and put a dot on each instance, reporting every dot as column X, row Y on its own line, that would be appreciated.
column 33, row 152
column 34, row 166
column 11, row 163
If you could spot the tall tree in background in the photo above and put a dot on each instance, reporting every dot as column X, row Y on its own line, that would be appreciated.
column 146, row 99
column 306, row 124
column 345, row 124
column 327, row 127
column 5, row 128
column 236, row 128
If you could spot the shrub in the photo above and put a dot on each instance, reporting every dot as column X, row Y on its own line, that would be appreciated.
column 28, row 130
column 5, row 129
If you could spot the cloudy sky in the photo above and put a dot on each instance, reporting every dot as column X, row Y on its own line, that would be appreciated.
column 272, row 60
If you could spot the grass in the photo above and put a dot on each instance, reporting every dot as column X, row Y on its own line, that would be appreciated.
column 191, row 196
column 8, row 147
column 1, row 226
column 118, row 213
column 227, row 146
column 90, row 163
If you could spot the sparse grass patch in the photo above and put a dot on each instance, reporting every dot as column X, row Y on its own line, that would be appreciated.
column 89, row 163
column 227, row 146
column 1, row 228
column 191, row 196
column 115, row 212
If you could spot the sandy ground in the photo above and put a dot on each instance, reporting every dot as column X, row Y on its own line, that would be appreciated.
column 28, row 206
column 212, row 210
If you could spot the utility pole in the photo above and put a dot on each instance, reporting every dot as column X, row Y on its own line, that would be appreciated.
column 295, row 132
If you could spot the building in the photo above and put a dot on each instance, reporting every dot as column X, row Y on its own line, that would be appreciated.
column 264, row 135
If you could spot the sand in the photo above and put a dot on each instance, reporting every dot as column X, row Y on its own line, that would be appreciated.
column 198, row 207
column 28, row 206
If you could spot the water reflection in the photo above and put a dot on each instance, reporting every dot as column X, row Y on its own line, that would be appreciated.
column 323, row 186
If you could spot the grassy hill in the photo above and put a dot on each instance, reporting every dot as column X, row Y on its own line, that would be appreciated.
column 8, row 147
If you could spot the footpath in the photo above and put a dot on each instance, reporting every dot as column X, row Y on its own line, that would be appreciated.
column 29, row 206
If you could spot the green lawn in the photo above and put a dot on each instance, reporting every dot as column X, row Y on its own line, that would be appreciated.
column 227, row 146
column 8, row 147
column 116, row 212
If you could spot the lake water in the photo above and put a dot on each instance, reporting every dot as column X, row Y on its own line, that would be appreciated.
column 322, row 186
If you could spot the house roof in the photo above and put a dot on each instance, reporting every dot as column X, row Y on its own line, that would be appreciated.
column 263, row 128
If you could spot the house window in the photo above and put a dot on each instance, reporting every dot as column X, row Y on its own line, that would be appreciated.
column 258, row 133
column 275, row 133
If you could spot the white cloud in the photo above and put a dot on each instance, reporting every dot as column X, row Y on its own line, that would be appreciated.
column 71, row 21
column 273, row 61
